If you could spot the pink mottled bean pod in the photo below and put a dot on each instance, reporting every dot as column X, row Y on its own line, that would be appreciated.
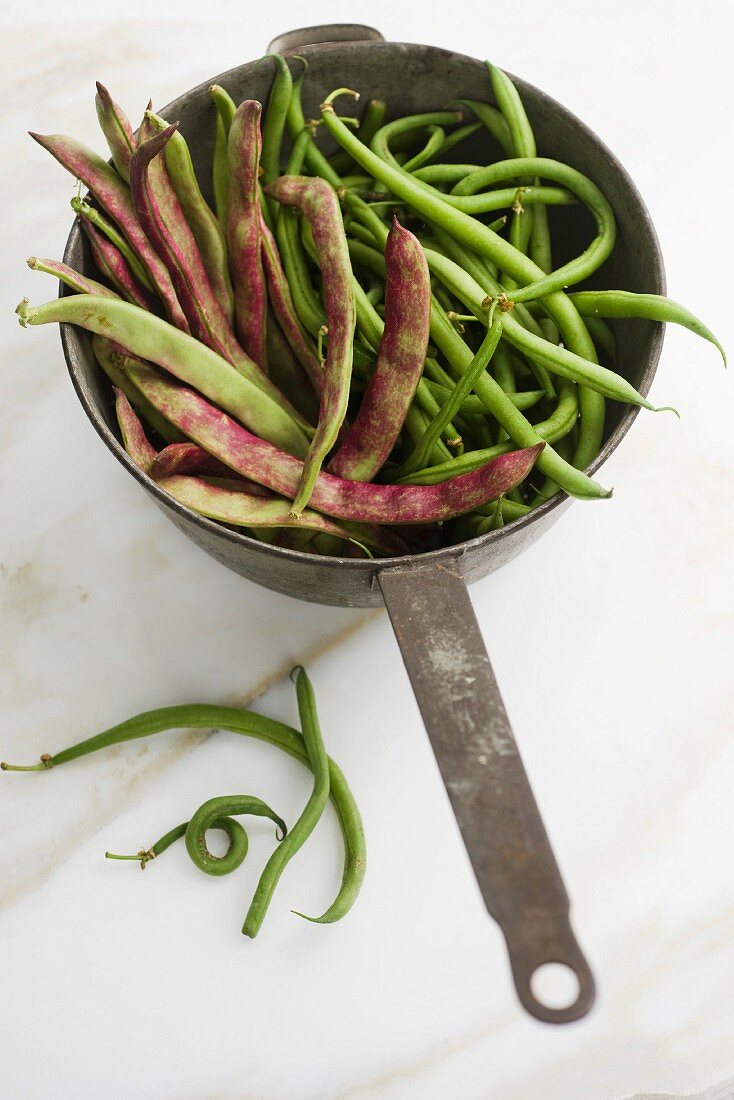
column 162, row 218
column 243, row 503
column 400, row 360
column 117, row 130
column 317, row 201
column 112, row 264
column 188, row 458
column 134, row 439
column 363, row 502
column 113, row 196
column 244, row 145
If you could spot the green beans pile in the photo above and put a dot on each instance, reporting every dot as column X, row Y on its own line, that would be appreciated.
column 351, row 353
column 220, row 813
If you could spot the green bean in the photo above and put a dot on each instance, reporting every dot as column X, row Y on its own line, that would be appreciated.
column 653, row 307
column 540, row 245
column 315, row 159
column 521, row 227
column 459, row 135
column 421, row 454
column 472, row 406
column 226, row 108
column 445, row 173
column 249, row 724
column 602, row 336
column 450, row 439
column 508, row 100
column 380, row 143
column 577, row 337
column 274, row 121
column 372, row 119
column 555, row 427
column 549, row 487
column 492, row 119
column 436, row 139
column 504, row 373
column 557, row 359
column 523, row 145
column 468, row 203
column 299, row 834
column 580, row 186
column 213, row 814
column 470, row 232
column 104, row 225
column 306, row 301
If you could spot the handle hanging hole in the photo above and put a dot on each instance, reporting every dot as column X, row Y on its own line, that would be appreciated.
column 555, row 985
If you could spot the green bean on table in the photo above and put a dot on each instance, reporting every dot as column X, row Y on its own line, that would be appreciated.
column 304, row 746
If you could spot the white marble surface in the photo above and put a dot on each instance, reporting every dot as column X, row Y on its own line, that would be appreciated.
column 612, row 639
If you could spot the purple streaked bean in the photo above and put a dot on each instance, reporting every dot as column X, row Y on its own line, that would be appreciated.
column 110, row 263
column 364, row 502
column 113, row 196
column 155, row 340
column 318, row 202
column 243, row 230
column 400, row 360
column 117, row 130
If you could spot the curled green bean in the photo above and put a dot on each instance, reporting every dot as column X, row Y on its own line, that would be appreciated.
column 249, row 724
column 580, row 186
column 215, row 813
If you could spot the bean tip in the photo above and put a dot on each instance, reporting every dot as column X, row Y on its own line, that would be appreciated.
column 312, row 920
column 666, row 409
column 23, row 309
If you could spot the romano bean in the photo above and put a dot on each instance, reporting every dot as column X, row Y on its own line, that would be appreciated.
column 117, row 130
column 154, row 339
column 401, row 355
column 260, row 461
column 318, row 203
column 243, row 230
column 113, row 196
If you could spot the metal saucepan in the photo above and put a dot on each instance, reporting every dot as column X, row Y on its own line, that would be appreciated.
column 426, row 595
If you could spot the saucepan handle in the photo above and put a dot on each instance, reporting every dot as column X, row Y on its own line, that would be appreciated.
column 463, row 712
column 328, row 32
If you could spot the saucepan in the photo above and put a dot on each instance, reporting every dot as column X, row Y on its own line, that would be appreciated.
column 426, row 595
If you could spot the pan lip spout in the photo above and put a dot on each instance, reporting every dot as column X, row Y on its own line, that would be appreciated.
column 386, row 54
